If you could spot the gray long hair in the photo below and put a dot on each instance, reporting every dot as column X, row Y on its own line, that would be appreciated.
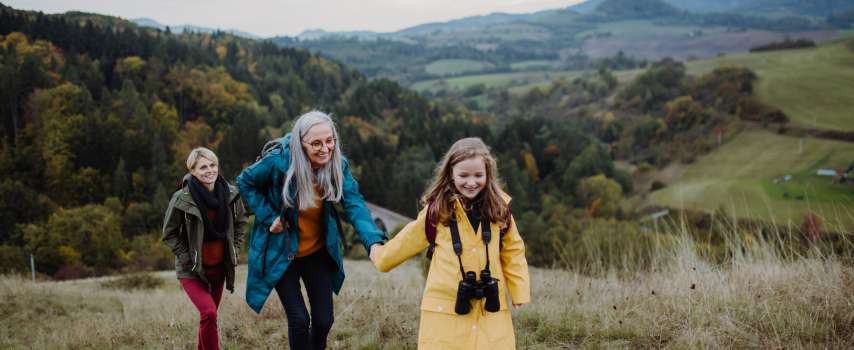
column 329, row 178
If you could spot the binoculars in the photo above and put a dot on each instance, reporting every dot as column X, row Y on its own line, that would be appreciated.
column 470, row 288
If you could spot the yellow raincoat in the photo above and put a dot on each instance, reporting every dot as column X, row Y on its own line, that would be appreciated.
column 441, row 327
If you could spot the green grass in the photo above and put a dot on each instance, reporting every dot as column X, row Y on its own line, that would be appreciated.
column 814, row 87
column 455, row 66
column 759, row 300
column 739, row 177
column 501, row 80
column 522, row 65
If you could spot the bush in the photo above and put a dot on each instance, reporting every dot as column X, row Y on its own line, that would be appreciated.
column 89, row 234
column 73, row 271
column 786, row 44
column 147, row 252
column 141, row 281
column 657, row 185
column 13, row 259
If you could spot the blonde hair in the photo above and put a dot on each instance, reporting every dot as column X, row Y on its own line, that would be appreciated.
column 442, row 193
column 298, row 180
column 200, row 152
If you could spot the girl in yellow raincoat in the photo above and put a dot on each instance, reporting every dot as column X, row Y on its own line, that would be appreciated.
column 465, row 196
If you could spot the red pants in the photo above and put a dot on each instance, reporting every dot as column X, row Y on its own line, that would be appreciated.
column 207, row 301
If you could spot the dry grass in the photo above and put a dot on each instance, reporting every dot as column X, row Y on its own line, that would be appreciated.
column 758, row 300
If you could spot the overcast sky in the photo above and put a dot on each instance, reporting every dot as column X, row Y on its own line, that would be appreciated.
column 291, row 17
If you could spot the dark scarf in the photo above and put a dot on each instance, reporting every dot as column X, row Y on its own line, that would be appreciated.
column 216, row 200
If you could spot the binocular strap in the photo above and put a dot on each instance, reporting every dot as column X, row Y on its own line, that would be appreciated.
column 486, row 234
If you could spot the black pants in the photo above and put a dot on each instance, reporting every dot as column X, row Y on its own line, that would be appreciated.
column 316, row 272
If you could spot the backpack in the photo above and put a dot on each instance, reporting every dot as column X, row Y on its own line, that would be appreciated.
column 430, row 231
column 269, row 147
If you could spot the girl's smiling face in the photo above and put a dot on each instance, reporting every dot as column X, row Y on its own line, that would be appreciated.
column 470, row 177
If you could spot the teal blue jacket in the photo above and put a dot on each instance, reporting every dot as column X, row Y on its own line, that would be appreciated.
column 261, row 186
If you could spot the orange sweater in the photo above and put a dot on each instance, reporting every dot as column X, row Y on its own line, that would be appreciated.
column 310, row 229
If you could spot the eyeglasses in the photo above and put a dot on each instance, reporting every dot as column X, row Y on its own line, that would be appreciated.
column 317, row 145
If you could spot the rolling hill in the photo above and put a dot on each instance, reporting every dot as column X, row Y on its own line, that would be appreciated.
column 813, row 87
column 569, row 37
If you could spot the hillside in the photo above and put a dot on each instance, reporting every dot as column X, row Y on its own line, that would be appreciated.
column 98, row 119
column 568, row 39
column 745, row 175
column 98, row 116
column 819, row 8
column 812, row 86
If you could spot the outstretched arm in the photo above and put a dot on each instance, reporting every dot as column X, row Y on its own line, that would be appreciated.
column 357, row 213
column 407, row 243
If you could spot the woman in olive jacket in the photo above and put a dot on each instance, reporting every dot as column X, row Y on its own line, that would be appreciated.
column 204, row 227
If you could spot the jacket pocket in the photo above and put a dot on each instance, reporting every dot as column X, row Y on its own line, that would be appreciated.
column 184, row 262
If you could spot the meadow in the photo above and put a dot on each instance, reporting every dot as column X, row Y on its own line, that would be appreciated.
column 497, row 80
column 740, row 177
column 455, row 66
column 812, row 86
column 757, row 299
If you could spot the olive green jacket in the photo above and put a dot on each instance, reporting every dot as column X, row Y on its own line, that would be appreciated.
column 184, row 232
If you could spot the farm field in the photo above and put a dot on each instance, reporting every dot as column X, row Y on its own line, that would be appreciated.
column 494, row 80
column 455, row 66
column 740, row 177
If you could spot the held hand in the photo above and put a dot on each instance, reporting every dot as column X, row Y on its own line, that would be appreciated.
column 276, row 227
column 374, row 252
column 516, row 306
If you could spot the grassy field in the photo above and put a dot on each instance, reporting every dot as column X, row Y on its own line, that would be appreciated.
column 740, row 176
column 502, row 80
column 455, row 66
column 814, row 87
column 756, row 301
column 522, row 65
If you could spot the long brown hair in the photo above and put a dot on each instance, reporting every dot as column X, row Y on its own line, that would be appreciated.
column 442, row 192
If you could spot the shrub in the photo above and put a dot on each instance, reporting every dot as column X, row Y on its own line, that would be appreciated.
column 73, row 271
column 13, row 259
column 133, row 282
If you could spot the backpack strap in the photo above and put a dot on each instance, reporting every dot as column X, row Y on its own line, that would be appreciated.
column 268, row 147
column 430, row 232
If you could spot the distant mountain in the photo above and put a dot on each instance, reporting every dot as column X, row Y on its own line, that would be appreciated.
column 466, row 23
column 815, row 8
column 635, row 9
column 586, row 7
column 571, row 36
column 317, row 34
column 148, row 22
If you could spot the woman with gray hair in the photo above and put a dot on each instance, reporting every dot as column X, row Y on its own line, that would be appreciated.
column 292, row 190
column 204, row 227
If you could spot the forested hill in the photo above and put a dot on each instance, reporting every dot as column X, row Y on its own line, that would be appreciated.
column 99, row 116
